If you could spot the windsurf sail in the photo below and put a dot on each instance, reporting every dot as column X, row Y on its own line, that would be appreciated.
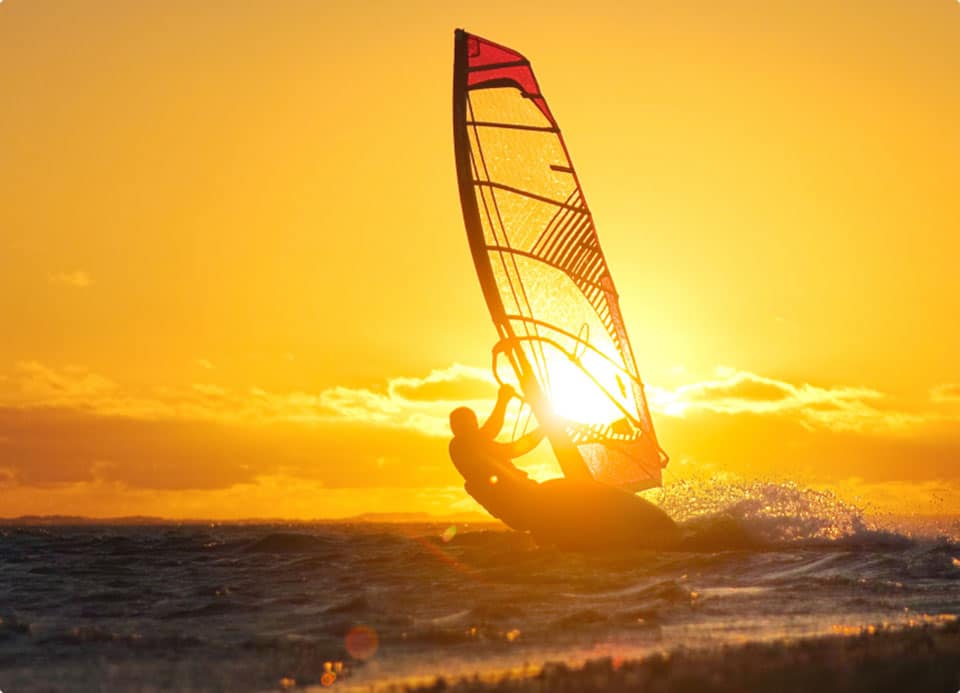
column 543, row 273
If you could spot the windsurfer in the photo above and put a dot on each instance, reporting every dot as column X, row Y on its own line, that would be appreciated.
column 554, row 300
column 486, row 466
column 577, row 513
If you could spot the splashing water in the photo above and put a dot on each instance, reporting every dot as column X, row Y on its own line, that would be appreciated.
column 771, row 513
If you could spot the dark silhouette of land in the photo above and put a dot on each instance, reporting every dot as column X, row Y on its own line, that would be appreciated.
column 148, row 521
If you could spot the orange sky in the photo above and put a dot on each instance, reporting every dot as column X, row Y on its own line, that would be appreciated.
column 234, row 279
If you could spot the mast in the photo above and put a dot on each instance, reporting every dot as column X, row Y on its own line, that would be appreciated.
column 566, row 453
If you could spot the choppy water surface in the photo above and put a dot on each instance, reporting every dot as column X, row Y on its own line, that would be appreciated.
column 247, row 607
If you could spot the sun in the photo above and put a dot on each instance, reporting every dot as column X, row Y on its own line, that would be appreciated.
column 576, row 396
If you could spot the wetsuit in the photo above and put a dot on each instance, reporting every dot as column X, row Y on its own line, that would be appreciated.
column 491, row 478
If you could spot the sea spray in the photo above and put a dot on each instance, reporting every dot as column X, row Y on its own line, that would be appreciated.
column 771, row 512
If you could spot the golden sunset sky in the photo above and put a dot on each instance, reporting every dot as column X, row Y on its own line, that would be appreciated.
column 234, row 280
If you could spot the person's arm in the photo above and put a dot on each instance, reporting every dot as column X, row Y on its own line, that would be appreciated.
column 494, row 422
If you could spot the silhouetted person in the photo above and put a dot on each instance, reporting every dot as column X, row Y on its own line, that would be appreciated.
column 486, row 466
column 572, row 512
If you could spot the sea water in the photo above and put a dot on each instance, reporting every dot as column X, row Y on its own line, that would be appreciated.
column 361, row 605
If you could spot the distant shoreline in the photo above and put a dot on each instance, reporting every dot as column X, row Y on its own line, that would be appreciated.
column 369, row 518
column 149, row 521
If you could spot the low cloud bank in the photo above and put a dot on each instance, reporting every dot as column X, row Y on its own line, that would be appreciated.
column 69, row 428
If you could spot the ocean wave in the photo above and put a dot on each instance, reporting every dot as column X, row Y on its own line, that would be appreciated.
column 292, row 594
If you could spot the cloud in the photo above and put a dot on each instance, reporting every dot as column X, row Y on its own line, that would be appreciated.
column 58, row 445
column 744, row 387
column 946, row 393
column 78, row 279
column 786, row 445
column 454, row 384
column 70, row 425
column 210, row 391
column 422, row 404
column 417, row 404
column 70, row 386
column 741, row 392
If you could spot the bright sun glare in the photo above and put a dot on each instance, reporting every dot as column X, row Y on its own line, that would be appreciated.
column 575, row 396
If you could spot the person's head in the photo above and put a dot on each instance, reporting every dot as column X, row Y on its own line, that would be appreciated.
column 463, row 421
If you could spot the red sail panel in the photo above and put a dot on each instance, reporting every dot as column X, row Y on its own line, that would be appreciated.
column 489, row 63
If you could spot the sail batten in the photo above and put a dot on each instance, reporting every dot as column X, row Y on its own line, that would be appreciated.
column 527, row 193
column 544, row 276
column 512, row 126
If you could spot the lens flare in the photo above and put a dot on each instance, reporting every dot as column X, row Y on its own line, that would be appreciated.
column 362, row 642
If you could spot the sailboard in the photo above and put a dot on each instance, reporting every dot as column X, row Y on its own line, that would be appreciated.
column 544, row 276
